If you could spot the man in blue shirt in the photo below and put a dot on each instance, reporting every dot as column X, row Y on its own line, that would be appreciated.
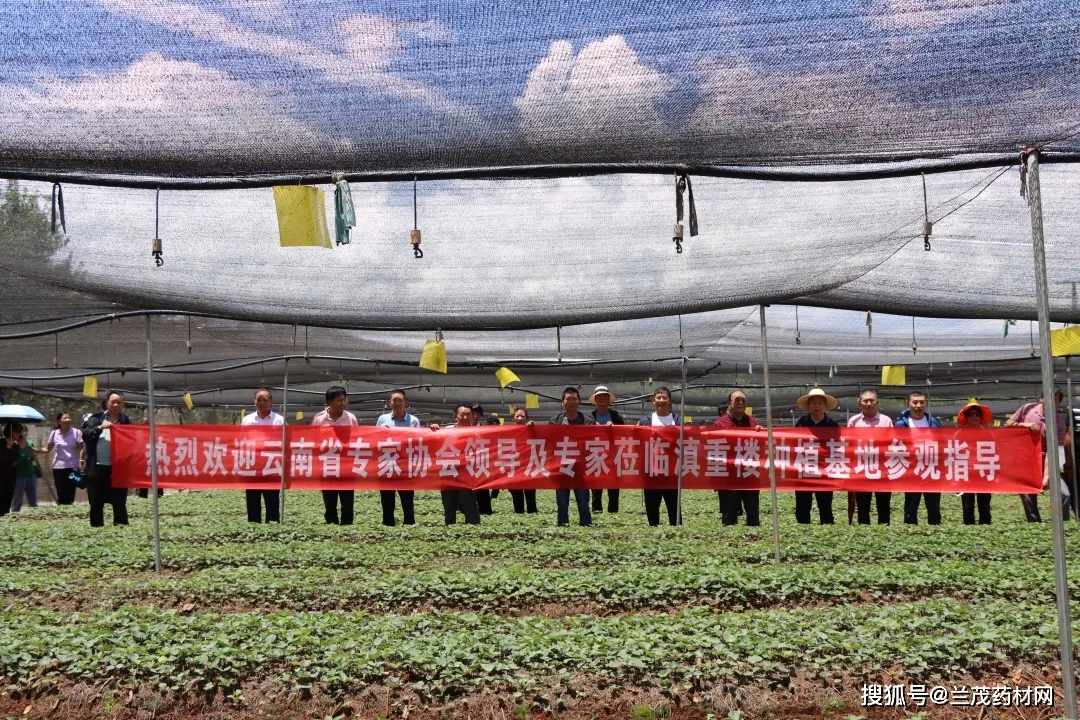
column 399, row 416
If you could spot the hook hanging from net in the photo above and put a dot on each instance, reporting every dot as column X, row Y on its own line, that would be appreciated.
column 914, row 345
column 155, row 246
column 414, row 236
column 798, row 335
column 927, row 226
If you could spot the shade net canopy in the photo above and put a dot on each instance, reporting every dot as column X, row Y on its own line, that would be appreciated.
column 952, row 360
column 532, row 253
column 164, row 90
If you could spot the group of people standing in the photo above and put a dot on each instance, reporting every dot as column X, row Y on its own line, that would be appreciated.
column 20, row 468
column 817, row 404
column 73, row 449
column 91, row 448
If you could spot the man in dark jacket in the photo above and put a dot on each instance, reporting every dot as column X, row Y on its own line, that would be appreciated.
column 604, row 414
column 731, row 501
column 97, row 438
column 571, row 401
column 816, row 403
column 917, row 415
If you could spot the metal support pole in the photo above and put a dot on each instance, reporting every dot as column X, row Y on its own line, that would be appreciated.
column 1071, row 419
column 153, row 447
column 1068, row 677
column 682, row 426
column 284, row 440
column 771, row 445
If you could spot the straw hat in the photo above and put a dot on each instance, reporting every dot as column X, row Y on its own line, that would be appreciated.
column 601, row 390
column 986, row 419
column 830, row 401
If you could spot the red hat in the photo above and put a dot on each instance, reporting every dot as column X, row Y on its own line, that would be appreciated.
column 987, row 415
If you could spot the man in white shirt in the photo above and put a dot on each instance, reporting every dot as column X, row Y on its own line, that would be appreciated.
column 460, row 500
column 661, row 415
column 399, row 416
column 337, row 399
column 871, row 418
column 264, row 415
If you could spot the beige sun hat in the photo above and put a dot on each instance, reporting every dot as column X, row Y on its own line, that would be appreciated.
column 601, row 390
column 830, row 401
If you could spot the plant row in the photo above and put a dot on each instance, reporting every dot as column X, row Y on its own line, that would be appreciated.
column 441, row 654
column 507, row 586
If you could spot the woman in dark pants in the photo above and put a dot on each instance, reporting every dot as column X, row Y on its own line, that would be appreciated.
column 974, row 415
column 524, row 500
column 67, row 444
column 97, row 436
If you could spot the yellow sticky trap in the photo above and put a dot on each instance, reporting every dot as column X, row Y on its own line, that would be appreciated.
column 434, row 356
column 532, row 401
column 893, row 375
column 749, row 411
column 687, row 420
column 1065, row 341
column 513, row 409
column 501, row 421
column 243, row 412
column 299, row 415
column 506, row 376
column 997, row 423
column 973, row 401
column 188, row 401
column 301, row 214
column 89, row 386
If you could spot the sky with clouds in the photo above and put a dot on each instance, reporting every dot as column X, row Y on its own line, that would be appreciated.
column 381, row 85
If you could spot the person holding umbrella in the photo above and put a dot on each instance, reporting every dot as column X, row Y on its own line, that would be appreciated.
column 9, row 465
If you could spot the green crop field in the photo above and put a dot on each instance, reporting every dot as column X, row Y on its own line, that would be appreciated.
column 516, row 618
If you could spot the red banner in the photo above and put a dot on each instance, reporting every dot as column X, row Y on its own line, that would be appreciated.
column 1006, row 460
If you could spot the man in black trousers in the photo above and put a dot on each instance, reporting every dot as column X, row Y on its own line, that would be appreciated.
column 604, row 414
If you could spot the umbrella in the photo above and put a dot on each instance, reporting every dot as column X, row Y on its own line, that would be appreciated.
column 20, row 413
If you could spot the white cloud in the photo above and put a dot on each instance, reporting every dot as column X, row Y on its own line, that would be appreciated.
column 922, row 15
column 374, row 41
column 168, row 105
column 365, row 64
column 605, row 89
